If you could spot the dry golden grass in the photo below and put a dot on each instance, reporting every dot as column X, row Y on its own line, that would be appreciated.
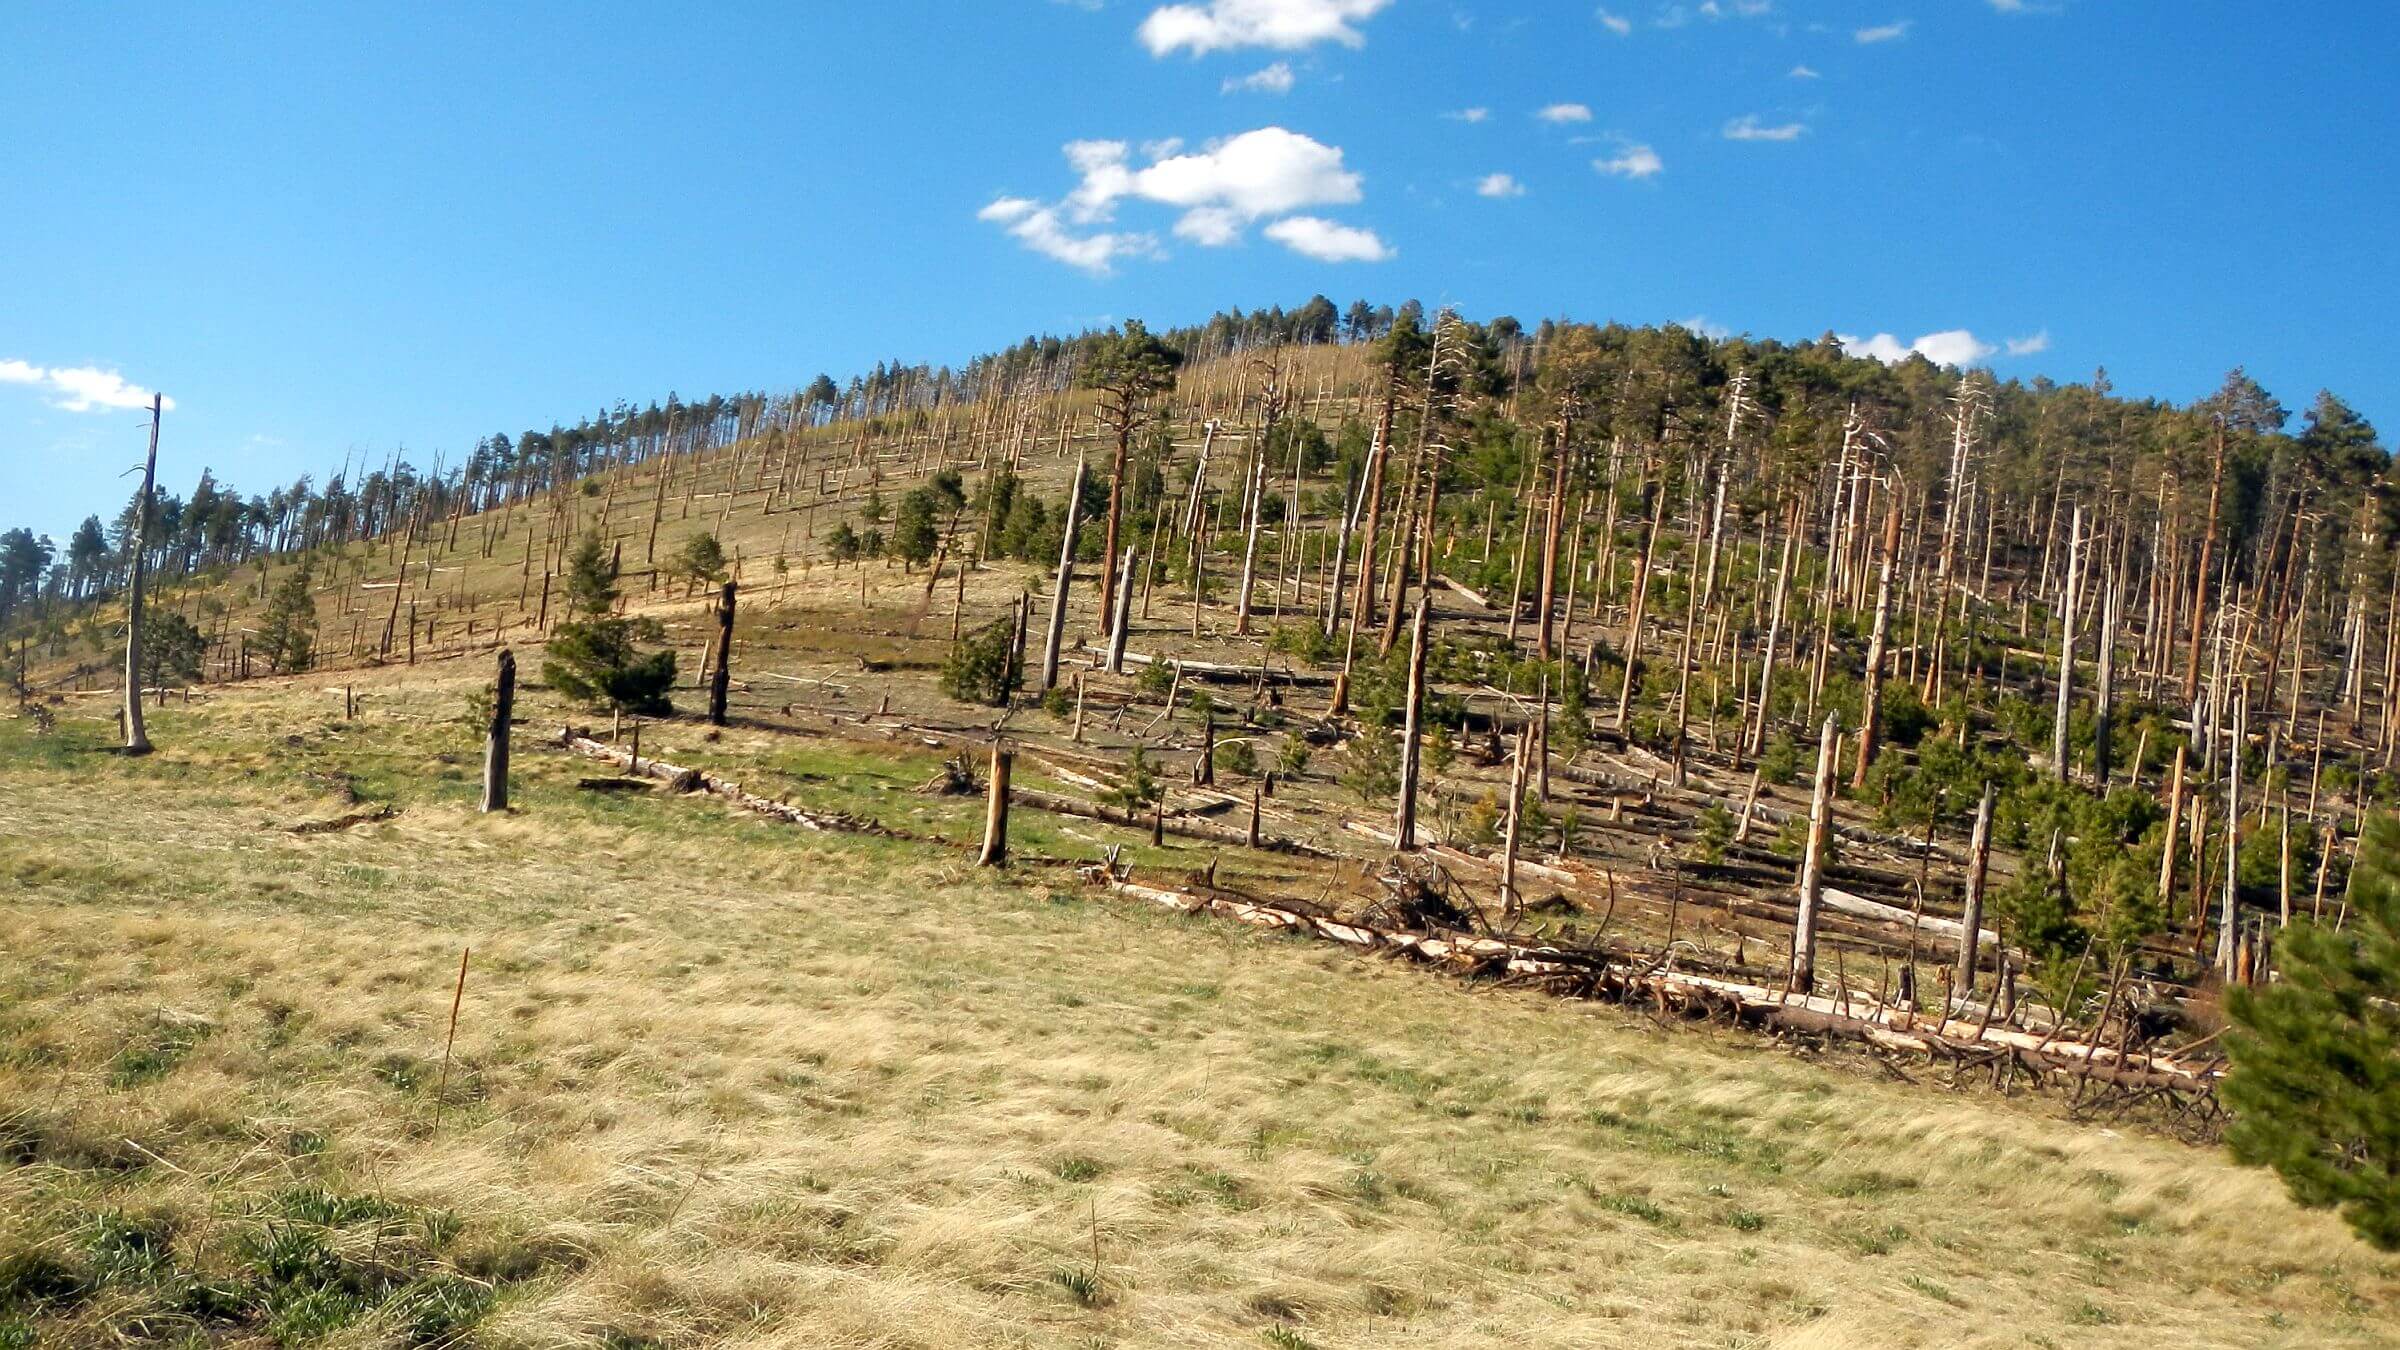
column 719, row 1082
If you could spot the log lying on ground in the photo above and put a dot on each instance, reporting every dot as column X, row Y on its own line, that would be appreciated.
column 1608, row 975
column 1218, row 670
column 694, row 780
column 1184, row 825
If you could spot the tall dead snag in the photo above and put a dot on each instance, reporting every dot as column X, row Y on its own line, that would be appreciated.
column 137, row 737
column 1129, row 368
column 1979, row 863
column 1122, row 619
column 2104, row 687
column 1812, row 862
column 2066, row 646
column 495, row 742
column 1510, row 901
column 2166, row 857
column 720, row 674
column 1411, row 756
column 1639, row 599
column 1870, row 722
column 2228, row 913
column 1066, row 579
column 995, row 814
column 1250, row 523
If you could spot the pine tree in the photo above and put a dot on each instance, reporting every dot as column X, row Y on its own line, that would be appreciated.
column 594, row 656
column 2315, row 1087
column 287, row 633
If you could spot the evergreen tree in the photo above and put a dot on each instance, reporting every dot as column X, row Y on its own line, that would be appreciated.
column 914, row 533
column 2315, row 1087
column 594, row 656
column 288, row 632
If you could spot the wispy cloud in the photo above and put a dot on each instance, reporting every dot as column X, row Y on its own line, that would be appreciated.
column 1562, row 113
column 1275, row 79
column 1705, row 327
column 1499, row 185
column 1615, row 23
column 1804, row 73
column 1888, row 32
column 2029, row 346
column 1468, row 115
column 79, row 388
column 1633, row 161
column 1287, row 25
column 1950, row 347
column 1749, row 128
column 1327, row 241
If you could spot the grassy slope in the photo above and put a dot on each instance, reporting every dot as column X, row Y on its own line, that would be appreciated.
column 719, row 1080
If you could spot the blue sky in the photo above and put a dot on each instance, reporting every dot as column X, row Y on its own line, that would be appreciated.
column 348, row 228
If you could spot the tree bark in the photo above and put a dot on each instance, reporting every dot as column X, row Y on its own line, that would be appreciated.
column 1405, row 826
column 495, row 745
column 995, row 815
column 1812, row 862
column 720, row 675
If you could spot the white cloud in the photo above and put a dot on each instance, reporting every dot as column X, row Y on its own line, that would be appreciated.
column 1499, row 185
column 2009, row 6
column 1950, row 347
column 1884, row 32
column 1615, row 23
column 1705, row 327
column 1222, row 188
column 1287, row 25
column 1039, row 228
column 1804, row 73
column 1749, row 128
column 2029, row 346
column 80, row 388
column 1634, row 161
column 1469, row 115
column 1275, row 79
column 1563, row 113
column 1324, row 240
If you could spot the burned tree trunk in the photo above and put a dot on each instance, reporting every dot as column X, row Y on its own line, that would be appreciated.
column 2059, row 766
column 495, row 744
column 720, row 675
column 1870, row 722
column 1121, row 620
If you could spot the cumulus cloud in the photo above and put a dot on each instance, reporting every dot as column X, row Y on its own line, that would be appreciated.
column 1327, row 241
column 1221, row 189
column 1615, row 23
column 1563, row 113
column 2029, row 346
column 1634, row 161
column 1750, row 128
column 1887, row 32
column 1499, row 185
column 79, row 388
column 1950, row 347
column 1287, row 25
column 1275, row 79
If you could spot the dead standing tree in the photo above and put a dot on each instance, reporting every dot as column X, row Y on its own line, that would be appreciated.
column 495, row 745
column 137, row 737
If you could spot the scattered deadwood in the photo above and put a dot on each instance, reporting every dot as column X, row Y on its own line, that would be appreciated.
column 1963, row 1039
column 693, row 780
column 613, row 785
column 338, row 823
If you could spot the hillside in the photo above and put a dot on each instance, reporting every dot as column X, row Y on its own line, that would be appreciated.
column 1549, row 675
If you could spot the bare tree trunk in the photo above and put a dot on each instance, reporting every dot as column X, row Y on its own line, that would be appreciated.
column 1510, row 901
column 2226, row 916
column 137, row 737
column 2059, row 766
column 1066, row 578
column 1122, row 619
column 995, row 814
column 1405, row 828
column 720, row 675
column 1979, row 862
column 495, row 745
column 1812, row 862
column 1871, row 715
